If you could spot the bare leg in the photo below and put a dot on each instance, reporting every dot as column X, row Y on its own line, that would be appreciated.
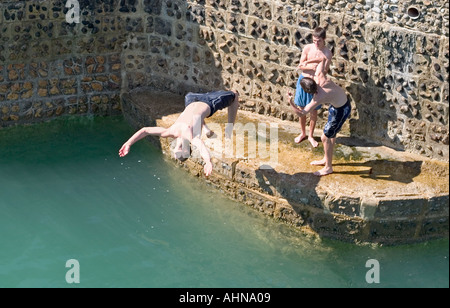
column 323, row 160
column 302, row 135
column 312, row 127
column 328, row 146
column 233, row 109
column 232, row 113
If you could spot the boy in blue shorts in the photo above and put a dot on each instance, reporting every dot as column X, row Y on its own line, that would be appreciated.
column 308, row 64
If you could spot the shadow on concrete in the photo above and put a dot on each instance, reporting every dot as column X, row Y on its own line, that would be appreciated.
column 299, row 191
column 310, row 199
column 403, row 172
column 298, row 188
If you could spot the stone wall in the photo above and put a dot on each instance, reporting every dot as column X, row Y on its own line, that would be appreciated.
column 391, row 56
column 49, row 67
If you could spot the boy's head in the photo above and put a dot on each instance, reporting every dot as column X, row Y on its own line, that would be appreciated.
column 319, row 32
column 319, row 36
column 182, row 149
column 308, row 85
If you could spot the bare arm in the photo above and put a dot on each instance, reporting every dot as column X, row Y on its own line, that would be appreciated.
column 320, row 78
column 312, row 64
column 304, row 64
column 311, row 106
column 142, row 133
column 327, row 64
column 321, row 71
column 204, row 153
column 290, row 98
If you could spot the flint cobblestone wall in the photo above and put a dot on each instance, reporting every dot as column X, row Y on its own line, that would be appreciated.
column 49, row 67
column 391, row 56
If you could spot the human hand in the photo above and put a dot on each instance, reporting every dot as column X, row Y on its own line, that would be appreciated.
column 208, row 168
column 289, row 95
column 124, row 150
column 209, row 133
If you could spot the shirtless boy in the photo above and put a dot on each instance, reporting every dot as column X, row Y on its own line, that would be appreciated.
column 308, row 64
column 325, row 91
column 187, row 129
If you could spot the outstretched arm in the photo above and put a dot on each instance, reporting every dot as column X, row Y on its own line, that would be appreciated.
column 204, row 153
column 143, row 132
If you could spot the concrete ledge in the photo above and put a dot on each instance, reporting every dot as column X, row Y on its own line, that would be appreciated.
column 375, row 195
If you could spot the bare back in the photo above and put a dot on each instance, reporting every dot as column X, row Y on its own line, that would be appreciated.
column 194, row 111
column 330, row 93
column 189, row 122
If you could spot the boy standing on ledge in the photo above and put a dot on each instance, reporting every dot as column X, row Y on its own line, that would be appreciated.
column 308, row 64
column 325, row 91
column 187, row 129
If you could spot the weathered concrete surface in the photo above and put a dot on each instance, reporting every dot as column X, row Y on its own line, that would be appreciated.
column 375, row 195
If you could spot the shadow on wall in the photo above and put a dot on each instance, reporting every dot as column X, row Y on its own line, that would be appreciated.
column 373, row 122
column 385, row 86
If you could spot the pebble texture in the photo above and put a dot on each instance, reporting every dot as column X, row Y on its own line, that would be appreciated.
column 391, row 56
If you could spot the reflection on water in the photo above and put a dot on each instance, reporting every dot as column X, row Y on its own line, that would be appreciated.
column 140, row 221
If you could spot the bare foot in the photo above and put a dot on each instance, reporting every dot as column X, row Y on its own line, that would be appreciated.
column 318, row 162
column 313, row 142
column 300, row 138
column 324, row 171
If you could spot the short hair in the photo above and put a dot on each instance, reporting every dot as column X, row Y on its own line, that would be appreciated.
column 182, row 159
column 320, row 32
column 181, row 154
column 309, row 85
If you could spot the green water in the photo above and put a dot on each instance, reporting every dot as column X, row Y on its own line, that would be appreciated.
column 140, row 221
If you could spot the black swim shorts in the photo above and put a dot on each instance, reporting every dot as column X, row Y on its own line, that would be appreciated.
column 216, row 100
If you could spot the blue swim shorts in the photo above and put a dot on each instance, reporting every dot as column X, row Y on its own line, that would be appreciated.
column 336, row 118
column 216, row 100
column 301, row 97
